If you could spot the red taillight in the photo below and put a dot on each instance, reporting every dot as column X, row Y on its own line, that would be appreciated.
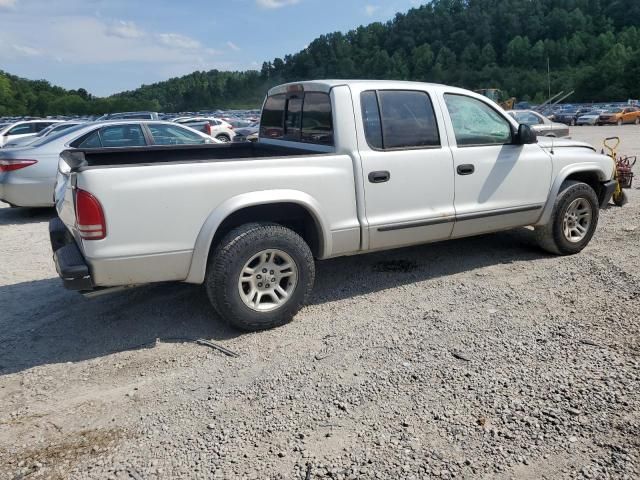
column 89, row 216
column 9, row 165
column 207, row 128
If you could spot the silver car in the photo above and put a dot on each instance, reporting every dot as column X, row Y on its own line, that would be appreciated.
column 28, row 174
column 540, row 124
column 590, row 118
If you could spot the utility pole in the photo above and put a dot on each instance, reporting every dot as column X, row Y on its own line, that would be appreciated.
column 549, row 75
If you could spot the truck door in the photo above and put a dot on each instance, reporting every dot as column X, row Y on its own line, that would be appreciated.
column 498, row 184
column 408, row 168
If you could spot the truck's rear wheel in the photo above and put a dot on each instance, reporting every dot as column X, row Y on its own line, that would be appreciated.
column 573, row 221
column 259, row 276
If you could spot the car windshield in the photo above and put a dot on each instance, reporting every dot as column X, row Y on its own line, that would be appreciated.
column 55, row 128
column 58, row 134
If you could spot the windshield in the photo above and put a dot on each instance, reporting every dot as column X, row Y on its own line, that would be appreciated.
column 58, row 134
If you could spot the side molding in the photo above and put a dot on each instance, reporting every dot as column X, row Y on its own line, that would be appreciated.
column 198, row 266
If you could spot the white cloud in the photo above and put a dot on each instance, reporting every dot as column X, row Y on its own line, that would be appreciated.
column 7, row 3
column 26, row 50
column 82, row 40
column 371, row 9
column 124, row 29
column 275, row 3
column 233, row 46
column 176, row 40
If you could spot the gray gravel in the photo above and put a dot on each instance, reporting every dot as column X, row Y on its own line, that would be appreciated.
column 477, row 358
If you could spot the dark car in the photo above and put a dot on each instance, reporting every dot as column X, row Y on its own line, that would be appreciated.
column 570, row 117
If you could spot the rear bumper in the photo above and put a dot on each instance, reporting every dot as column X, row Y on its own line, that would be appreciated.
column 70, row 264
column 607, row 192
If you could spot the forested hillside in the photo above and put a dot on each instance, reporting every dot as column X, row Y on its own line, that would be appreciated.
column 593, row 47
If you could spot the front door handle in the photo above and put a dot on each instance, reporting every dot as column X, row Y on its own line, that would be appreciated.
column 466, row 169
column 379, row 177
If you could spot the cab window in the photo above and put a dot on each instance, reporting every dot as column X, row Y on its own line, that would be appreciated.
column 476, row 123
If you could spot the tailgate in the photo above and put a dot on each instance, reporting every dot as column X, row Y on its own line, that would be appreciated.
column 63, row 197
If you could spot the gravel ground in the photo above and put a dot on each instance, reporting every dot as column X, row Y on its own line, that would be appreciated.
column 477, row 358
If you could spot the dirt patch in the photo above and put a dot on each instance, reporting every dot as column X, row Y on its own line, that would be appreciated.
column 56, row 458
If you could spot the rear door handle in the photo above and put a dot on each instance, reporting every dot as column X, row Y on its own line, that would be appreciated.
column 466, row 169
column 379, row 177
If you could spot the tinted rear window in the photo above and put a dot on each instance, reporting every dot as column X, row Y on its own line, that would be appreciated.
column 302, row 118
column 272, row 123
column 317, row 119
column 293, row 119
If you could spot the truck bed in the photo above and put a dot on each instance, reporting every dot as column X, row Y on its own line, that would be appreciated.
column 107, row 157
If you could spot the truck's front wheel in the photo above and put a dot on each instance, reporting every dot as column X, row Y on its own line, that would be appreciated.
column 259, row 276
column 573, row 221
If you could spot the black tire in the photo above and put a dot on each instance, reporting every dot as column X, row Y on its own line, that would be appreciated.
column 229, row 258
column 223, row 138
column 551, row 237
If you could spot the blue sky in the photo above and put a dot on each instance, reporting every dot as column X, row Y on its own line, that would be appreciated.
column 107, row 46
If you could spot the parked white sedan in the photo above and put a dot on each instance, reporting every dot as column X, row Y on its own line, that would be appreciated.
column 24, row 128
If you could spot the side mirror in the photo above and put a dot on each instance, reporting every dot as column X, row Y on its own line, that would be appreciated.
column 525, row 135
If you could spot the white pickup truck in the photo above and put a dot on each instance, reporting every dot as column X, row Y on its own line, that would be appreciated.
column 341, row 168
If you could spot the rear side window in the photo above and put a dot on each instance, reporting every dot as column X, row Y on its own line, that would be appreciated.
column 116, row 136
column 122, row 136
column 399, row 119
column 304, row 118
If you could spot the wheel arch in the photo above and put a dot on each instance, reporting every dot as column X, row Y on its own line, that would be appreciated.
column 593, row 174
column 291, row 208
